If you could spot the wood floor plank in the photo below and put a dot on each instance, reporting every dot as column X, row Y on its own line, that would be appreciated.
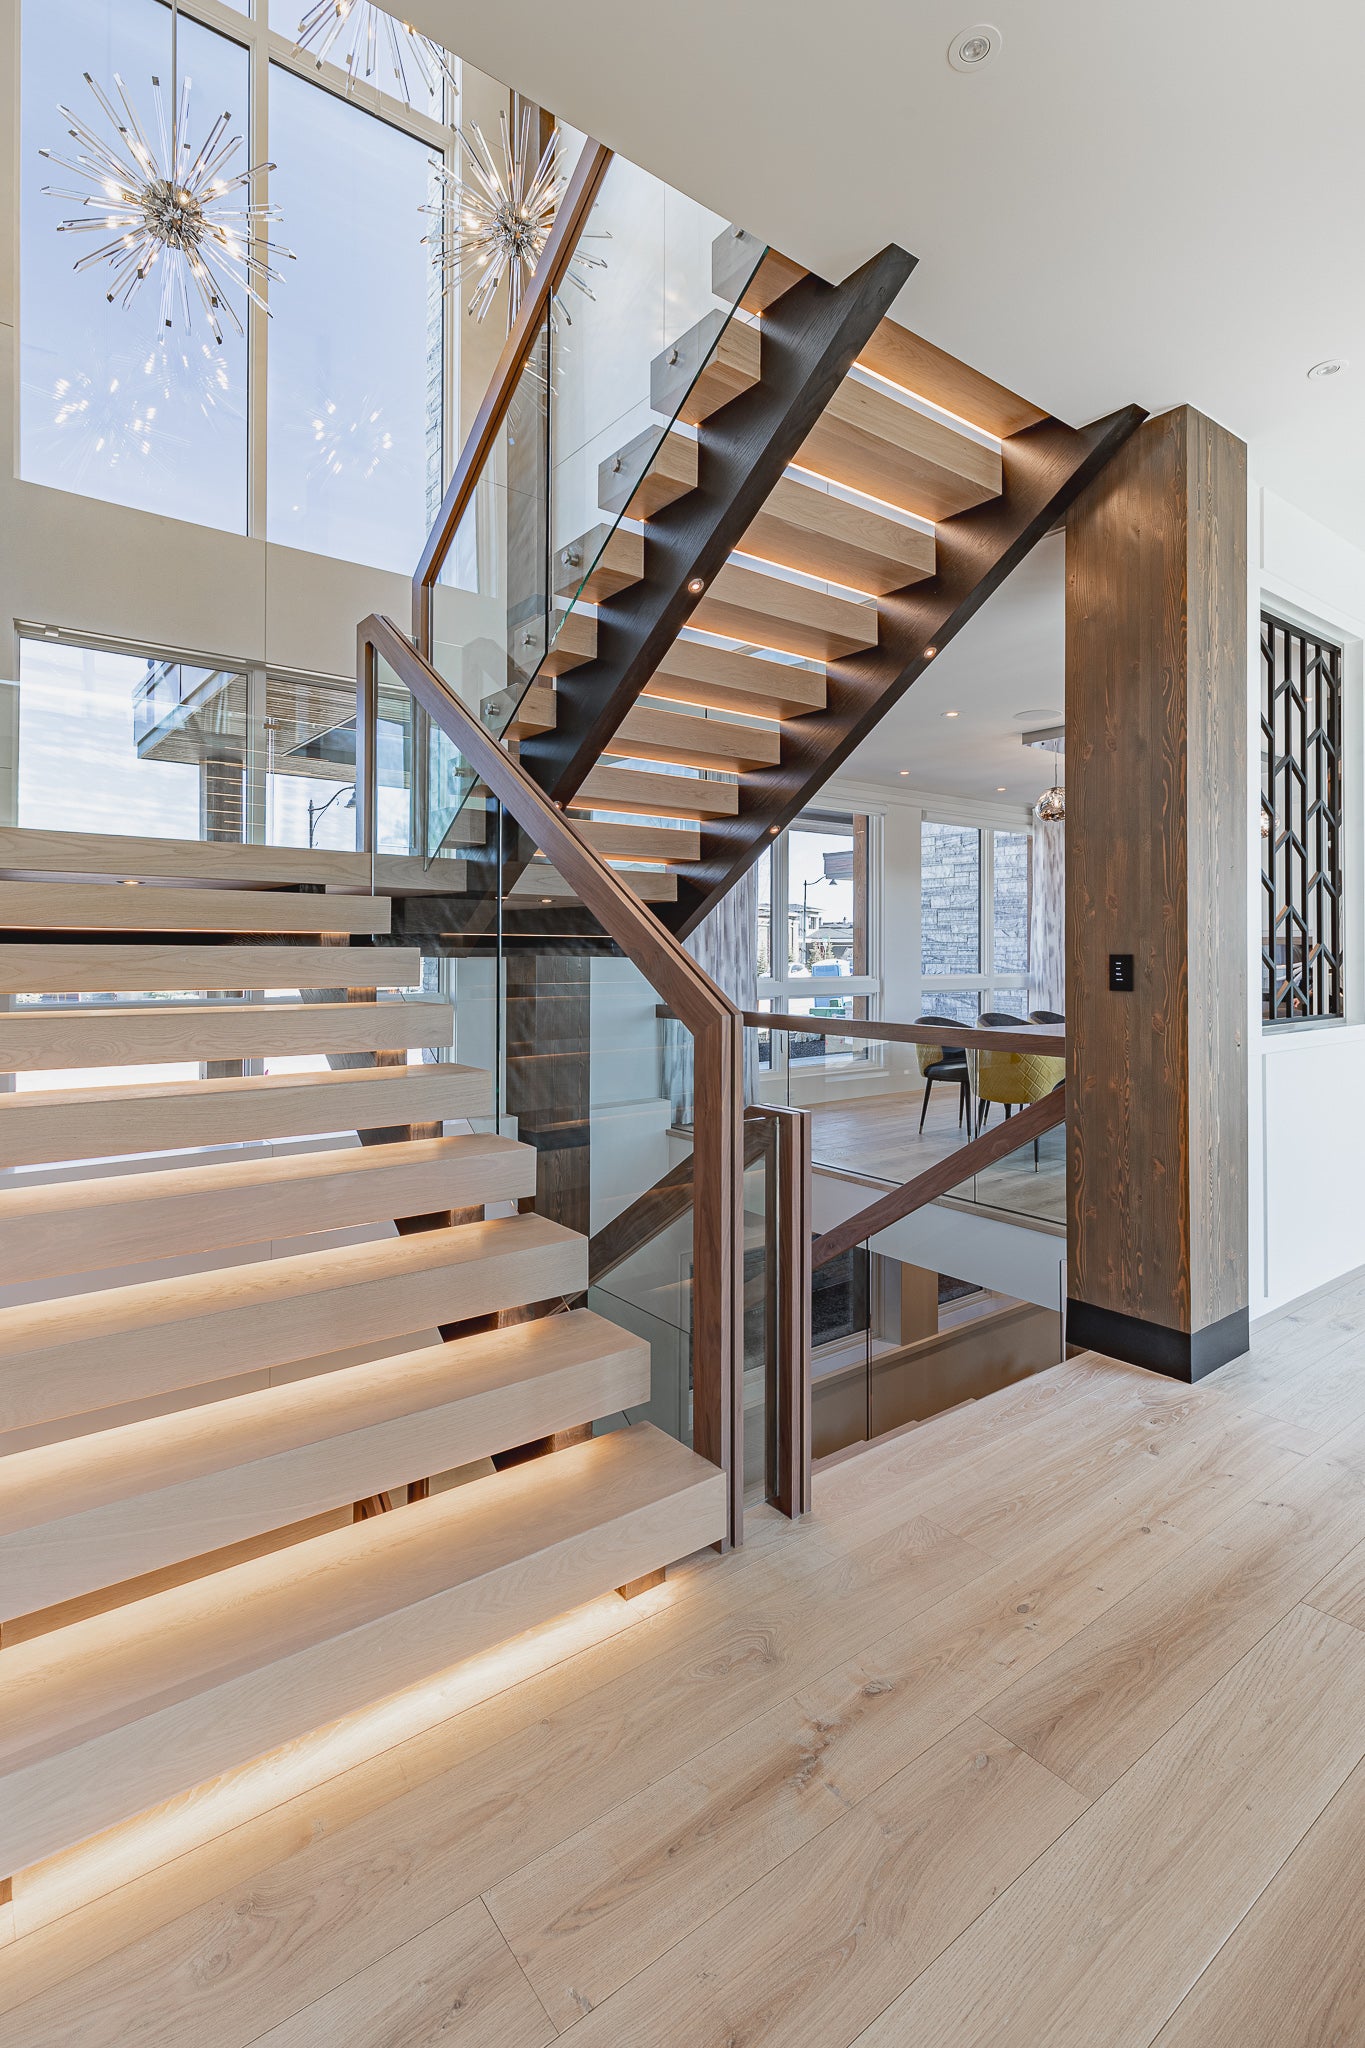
column 1291, row 1972
column 640, row 1705
column 617, row 1895
column 455, row 1982
column 816, row 1949
column 1103, row 1936
column 1095, row 1705
column 1096, row 1521
column 1342, row 1591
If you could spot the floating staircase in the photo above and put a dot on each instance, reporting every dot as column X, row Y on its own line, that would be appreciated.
column 916, row 489
column 217, row 1529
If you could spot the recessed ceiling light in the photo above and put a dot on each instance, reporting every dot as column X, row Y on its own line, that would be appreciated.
column 1036, row 717
column 929, row 653
column 1332, row 366
column 974, row 47
column 950, row 714
column 905, row 771
column 696, row 585
column 1000, row 789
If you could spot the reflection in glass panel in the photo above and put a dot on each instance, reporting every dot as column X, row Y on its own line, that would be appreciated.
column 82, row 767
column 111, row 404
column 950, row 899
column 1013, row 896
column 354, row 430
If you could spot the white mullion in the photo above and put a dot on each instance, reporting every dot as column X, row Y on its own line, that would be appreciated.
column 987, row 902
column 258, row 325
column 334, row 78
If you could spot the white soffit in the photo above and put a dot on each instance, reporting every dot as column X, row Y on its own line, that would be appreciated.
column 1156, row 204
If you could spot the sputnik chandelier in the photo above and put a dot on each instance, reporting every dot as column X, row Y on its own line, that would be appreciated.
column 374, row 45
column 493, row 222
column 173, row 208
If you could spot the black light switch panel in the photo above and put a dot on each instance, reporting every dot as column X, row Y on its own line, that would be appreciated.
column 1121, row 972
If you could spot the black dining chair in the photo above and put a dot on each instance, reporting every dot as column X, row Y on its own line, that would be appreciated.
column 945, row 1063
column 1046, row 1017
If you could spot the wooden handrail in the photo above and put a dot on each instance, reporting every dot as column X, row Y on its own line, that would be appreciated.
column 561, row 246
column 943, row 1177
column 1039, row 1038
column 713, row 1020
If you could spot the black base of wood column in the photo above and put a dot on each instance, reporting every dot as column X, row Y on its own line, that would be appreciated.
column 1181, row 1354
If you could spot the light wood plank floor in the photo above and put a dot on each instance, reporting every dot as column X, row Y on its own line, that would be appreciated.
column 879, row 1136
column 1047, row 1728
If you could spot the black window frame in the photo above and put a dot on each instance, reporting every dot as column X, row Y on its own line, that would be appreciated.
column 1302, row 825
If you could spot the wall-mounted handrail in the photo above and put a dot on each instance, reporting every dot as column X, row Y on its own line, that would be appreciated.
column 1036, row 1038
column 943, row 1177
column 561, row 246
column 713, row 1020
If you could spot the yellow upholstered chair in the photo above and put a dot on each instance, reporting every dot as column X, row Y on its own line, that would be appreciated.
column 1014, row 1078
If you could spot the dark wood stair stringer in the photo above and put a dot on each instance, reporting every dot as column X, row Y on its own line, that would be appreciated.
column 811, row 337
column 1046, row 467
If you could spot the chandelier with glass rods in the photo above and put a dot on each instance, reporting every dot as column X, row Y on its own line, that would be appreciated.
column 377, row 40
column 493, row 220
column 169, row 207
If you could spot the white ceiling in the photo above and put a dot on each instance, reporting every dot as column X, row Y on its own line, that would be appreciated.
column 1156, row 203
column 1003, row 675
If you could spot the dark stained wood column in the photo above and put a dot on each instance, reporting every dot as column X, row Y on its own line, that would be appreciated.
column 1156, row 697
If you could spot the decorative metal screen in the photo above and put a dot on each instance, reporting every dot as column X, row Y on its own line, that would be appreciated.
column 1301, row 922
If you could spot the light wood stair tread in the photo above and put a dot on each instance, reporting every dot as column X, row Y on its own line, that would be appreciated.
column 107, row 1716
column 122, row 1219
column 599, row 563
column 649, row 733
column 574, row 641
column 542, row 883
column 535, row 711
column 57, row 967
column 111, row 906
column 716, row 360
column 746, row 604
column 650, row 472
column 672, row 844
column 86, row 1352
column 743, row 270
column 29, row 852
column 50, row 1124
column 909, row 360
column 99, row 1510
column 644, row 794
column 693, row 672
column 870, row 441
column 806, row 527
column 88, row 1035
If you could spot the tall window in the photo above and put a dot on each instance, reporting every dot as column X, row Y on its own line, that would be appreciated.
column 353, row 446
column 975, row 899
column 816, row 932
column 111, row 405
column 1301, row 821
column 322, row 427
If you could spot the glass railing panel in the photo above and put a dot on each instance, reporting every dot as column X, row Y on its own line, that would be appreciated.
column 593, row 1070
column 637, row 317
column 490, row 608
column 1029, row 1183
column 762, row 1277
column 626, row 350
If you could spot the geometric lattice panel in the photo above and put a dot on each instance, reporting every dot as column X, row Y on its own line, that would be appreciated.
column 1301, row 920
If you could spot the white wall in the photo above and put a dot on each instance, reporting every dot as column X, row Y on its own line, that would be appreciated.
column 1307, row 1082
